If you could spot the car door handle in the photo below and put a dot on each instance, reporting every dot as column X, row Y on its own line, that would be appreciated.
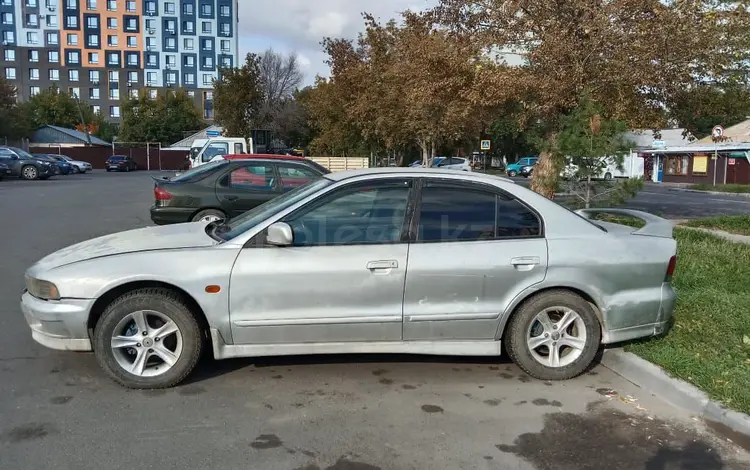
column 231, row 198
column 385, row 264
column 526, row 262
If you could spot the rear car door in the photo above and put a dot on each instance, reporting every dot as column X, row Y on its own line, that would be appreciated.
column 246, row 186
column 476, row 248
column 294, row 175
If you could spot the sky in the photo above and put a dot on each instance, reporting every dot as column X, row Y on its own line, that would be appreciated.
column 298, row 26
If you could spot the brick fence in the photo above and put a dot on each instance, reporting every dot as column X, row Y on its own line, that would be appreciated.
column 147, row 158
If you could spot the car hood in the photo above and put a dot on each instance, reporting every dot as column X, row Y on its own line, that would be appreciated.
column 187, row 235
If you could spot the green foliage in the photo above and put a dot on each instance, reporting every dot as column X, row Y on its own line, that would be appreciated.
column 238, row 97
column 726, row 188
column 508, row 138
column 53, row 107
column 699, row 108
column 13, row 124
column 163, row 119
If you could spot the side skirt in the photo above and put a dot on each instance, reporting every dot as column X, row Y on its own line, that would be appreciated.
column 439, row 348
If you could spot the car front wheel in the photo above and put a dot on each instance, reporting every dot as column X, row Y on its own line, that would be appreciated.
column 29, row 172
column 148, row 339
column 554, row 335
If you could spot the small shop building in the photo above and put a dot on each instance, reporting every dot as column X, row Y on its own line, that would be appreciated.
column 721, row 163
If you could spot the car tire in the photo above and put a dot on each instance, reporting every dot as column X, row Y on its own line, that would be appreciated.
column 208, row 214
column 29, row 172
column 512, row 173
column 159, row 303
column 524, row 323
column 76, row 170
column 108, row 170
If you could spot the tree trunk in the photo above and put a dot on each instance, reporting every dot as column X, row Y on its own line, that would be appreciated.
column 425, row 147
column 588, row 191
column 546, row 174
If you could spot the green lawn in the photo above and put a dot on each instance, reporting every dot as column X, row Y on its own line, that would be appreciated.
column 739, row 224
column 725, row 188
column 709, row 345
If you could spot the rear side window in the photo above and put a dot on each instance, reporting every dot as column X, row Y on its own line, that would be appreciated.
column 454, row 213
column 254, row 177
column 293, row 176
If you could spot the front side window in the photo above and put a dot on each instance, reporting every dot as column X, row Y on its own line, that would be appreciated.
column 361, row 213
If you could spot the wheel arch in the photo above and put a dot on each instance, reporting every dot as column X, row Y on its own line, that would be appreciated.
column 520, row 300
column 101, row 303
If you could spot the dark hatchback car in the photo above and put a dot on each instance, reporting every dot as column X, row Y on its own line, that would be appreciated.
column 63, row 168
column 120, row 163
column 227, row 188
column 66, row 167
column 4, row 170
column 23, row 165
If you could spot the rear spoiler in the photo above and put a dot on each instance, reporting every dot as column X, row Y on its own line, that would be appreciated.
column 160, row 179
column 655, row 225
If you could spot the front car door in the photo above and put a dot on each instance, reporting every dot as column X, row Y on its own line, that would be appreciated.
column 246, row 186
column 341, row 280
column 476, row 249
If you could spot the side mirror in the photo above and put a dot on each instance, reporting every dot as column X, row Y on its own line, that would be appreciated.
column 279, row 234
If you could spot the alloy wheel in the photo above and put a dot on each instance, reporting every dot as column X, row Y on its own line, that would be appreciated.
column 556, row 337
column 146, row 343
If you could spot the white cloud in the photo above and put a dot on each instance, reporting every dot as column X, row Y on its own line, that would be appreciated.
column 300, row 25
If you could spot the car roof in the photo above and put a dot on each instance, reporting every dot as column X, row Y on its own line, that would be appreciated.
column 413, row 171
column 241, row 156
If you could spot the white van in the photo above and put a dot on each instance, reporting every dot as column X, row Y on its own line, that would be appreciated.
column 208, row 150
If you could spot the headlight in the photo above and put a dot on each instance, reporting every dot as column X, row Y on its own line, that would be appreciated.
column 42, row 289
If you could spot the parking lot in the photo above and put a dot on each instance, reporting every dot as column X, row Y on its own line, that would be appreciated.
column 334, row 412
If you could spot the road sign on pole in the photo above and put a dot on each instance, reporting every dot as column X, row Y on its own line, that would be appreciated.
column 717, row 133
column 485, row 145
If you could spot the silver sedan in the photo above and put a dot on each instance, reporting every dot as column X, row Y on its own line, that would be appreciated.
column 373, row 261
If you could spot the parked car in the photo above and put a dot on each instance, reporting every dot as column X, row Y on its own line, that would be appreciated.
column 226, row 188
column 527, row 171
column 452, row 163
column 78, row 166
column 120, row 163
column 64, row 168
column 23, row 165
column 53, row 163
column 514, row 169
column 4, row 170
column 348, row 263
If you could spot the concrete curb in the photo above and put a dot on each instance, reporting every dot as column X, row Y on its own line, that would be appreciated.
column 715, row 193
column 732, row 237
column 652, row 378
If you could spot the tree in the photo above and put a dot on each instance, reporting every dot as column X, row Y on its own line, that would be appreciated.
column 613, row 49
column 589, row 142
column 53, row 107
column 164, row 119
column 701, row 107
column 13, row 123
column 280, row 77
column 238, row 97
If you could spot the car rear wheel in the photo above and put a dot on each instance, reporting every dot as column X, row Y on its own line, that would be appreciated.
column 209, row 215
column 29, row 172
column 75, row 169
column 147, row 339
column 554, row 335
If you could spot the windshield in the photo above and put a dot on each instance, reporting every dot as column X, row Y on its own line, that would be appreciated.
column 199, row 172
column 253, row 217
column 67, row 159
column 22, row 154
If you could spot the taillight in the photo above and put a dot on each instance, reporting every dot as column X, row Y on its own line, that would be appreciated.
column 161, row 194
column 671, row 267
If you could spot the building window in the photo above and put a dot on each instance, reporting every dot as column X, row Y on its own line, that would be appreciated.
column 114, row 111
column 170, row 26
column 189, row 61
column 33, row 55
column 9, row 37
column 74, row 57
column 187, row 9
column 34, row 90
column 112, row 40
column 151, row 26
column 32, row 20
column 208, row 79
column 132, row 41
column 71, row 21
column 132, row 24
column 132, row 77
column 111, row 23
column 191, row 94
column 112, row 5
column 33, row 74
column 208, row 96
column 226, row 29
column 94, row 76
column 94, row 94
column 150, row 43
column 226, row 62
column 153, row 94
column 10, row 73
column 188, row 27
column 54, row 74
column 225, row 11
column 189, row 79
column 75, row 92
column 676, row 165
column 31, row 3
column 53, row 56
column 92, row 21
column 52, row 39
column 132, row 58
column 71, row 4
column 171, row 44
column 208, row 62
column 114, row 94
column 96, row 109
column 130, row 6
column 188, row 44
column 32, row 38
column 7, row 18
column 207, row 10
column 93, row 57
column 52, row 21
column 9, row 55
column 91, row 4
column 171, row 61
column 171, row 78
column 72, row 39
column 114, row 76
column 113, row 58
column 206, row 27
column 151, row 78
column 151, row 60
column 73, row 75
column 133, row 94
column 151, row 7
column 207, row 45
column 169, row 8
column 93, row 40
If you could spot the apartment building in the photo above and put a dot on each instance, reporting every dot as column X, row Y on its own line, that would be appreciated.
column 104, row 51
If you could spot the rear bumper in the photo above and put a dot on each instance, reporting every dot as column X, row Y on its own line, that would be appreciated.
column 170, row 215
column 660, row 324
column 58, row 324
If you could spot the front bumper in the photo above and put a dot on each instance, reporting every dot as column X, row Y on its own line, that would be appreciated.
column 58, row 324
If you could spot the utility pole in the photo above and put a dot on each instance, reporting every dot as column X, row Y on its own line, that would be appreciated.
column 83, row 120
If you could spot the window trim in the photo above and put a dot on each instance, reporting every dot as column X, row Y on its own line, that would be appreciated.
column 403, row 237
column 473, row 185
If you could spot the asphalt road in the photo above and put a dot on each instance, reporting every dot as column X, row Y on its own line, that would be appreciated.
column 354, row 412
